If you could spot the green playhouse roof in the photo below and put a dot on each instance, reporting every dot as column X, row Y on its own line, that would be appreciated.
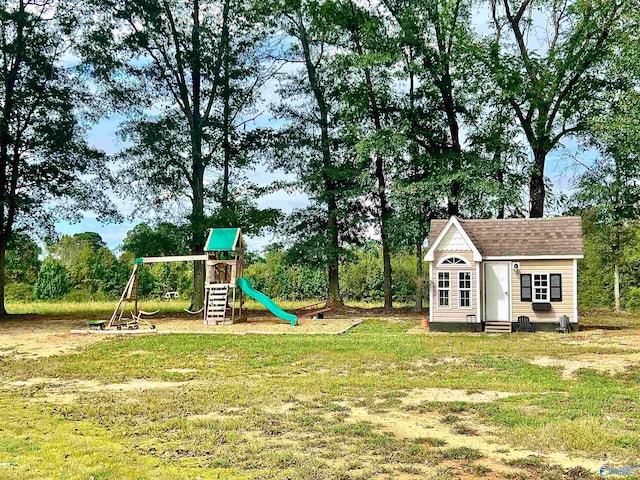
column 224, row 240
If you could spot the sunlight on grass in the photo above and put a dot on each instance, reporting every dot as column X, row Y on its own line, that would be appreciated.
column 286, row 407
column 165, row 306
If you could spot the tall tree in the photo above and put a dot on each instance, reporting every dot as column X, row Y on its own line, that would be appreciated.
column 194, row 62
column 310, row 143
column 611, row 184
column 47, row 170
column 363, row 61
column 547, row 58
column 436, row 41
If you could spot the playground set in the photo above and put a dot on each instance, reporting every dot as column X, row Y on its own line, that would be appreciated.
column 224, row 289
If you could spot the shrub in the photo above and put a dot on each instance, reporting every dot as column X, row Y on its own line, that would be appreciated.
column 18, row 292
column 632, row 300
column 52, row 280
column 79, row 295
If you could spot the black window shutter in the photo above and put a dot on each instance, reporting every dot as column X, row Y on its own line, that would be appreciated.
column 555, row 279
column 525, row 287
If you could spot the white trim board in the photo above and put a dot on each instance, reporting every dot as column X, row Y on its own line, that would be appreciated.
column 453, row 221
column 431, row 292
column 533, row 257
column 575, row 291
column 479, row 294
column 174, row 258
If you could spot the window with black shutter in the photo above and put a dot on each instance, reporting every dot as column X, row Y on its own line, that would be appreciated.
column 525, row 287
column 556, row 287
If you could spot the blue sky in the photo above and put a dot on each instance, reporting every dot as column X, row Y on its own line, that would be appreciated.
column 103, row 136
column 560, row 168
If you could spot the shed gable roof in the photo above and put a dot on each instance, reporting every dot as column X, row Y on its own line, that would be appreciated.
column 521, row 236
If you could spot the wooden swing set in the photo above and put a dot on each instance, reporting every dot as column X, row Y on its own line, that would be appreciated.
column 224, row 257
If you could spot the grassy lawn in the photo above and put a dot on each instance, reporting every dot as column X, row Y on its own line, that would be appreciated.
column 165, row 306
column 373, row 403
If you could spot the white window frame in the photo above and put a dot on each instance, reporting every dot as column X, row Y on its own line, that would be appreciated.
column 464, row 261
column 546, row 288
column 443, row 289
column 470, row 290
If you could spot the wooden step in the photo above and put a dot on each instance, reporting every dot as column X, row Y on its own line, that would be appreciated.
column 497, row 327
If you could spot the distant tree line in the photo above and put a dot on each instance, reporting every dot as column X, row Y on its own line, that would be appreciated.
column 80, row 268
column 385, row 114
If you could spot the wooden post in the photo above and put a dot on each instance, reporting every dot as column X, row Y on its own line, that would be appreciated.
column 233, row 307
column 135, row 295
column 127, row 288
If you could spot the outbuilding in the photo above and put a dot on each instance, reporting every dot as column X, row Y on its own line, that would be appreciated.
column 486, row 274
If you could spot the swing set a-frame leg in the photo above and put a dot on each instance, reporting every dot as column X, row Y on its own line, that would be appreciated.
column 130, row 293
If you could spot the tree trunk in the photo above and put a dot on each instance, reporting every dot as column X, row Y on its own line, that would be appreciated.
column 453, row 203
column 3, row 250
column 419, row 278
column 537, row 190
column 384, row 234
column 7, row 196
column 500, row 178
column 446, row 88
column 198, row 235
column 197, row 215
column 334, row 299
column 226, row 126
column 616, row 287
column 387, row 272
column 379, row 172
column 333, row 279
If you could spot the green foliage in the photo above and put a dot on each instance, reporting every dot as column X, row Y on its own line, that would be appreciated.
column 91, row 267
column 560, row 68
column 279, row 279
column 48, row 169
column 595, row 273
column 52, row 281
column 163, row 239
column 18, row 292
column 632, row 298
column 609, row 190
column 21, row 261
column 361, row 278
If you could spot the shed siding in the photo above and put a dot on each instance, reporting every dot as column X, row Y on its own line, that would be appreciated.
column 565, row 307
column 453, row 313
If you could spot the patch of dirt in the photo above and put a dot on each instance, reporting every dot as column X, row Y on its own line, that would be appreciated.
column 606, row 363
column 604, row 338
column 453, row 395
column 138, row 385
column 32, row 336
column 415, row 425
column 282, row 408
column 62, row 392
column 257, row 326
column 41, row 344
column 182, row 370
column 56, row 385
column 227, row 413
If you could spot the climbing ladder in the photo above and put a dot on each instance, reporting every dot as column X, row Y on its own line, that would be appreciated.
column 216, row 301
